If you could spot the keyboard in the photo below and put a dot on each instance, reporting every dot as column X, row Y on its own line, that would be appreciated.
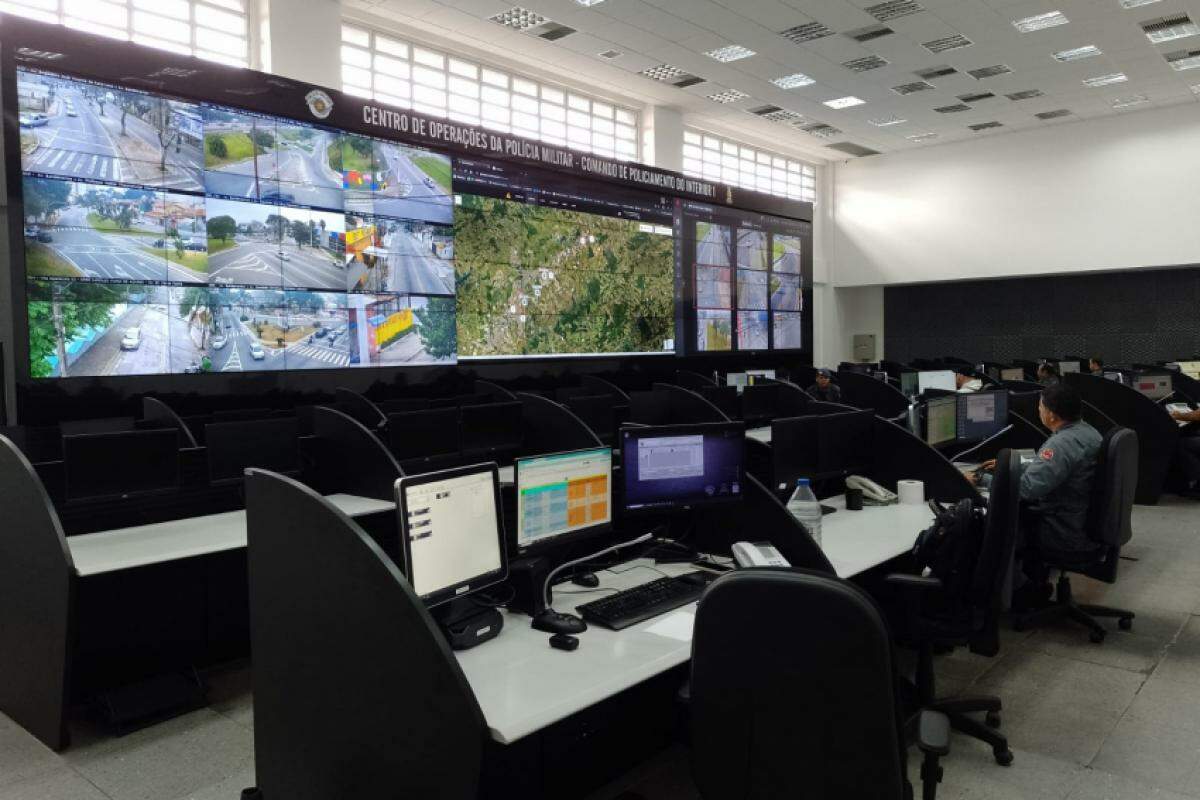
column 631, row 606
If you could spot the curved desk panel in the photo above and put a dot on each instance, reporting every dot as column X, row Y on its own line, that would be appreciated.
column 552, row 428
column 899, row 455
column 864, row 391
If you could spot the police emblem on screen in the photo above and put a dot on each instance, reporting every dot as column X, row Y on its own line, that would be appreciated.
column 319, row 103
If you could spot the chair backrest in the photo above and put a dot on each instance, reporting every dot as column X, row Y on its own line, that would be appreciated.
column 1000, row 534
column 792, row 691
column 36, row 579
column 1113, row 489
column 356, row 693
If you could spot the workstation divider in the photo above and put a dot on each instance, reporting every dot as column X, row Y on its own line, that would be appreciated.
column 549, row 427
column 866, row 391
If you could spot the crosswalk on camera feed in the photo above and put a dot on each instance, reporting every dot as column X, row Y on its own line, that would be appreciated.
column 167, row 237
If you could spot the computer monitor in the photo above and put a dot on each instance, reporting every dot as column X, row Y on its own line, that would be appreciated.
column 754, row 374
column 936, row 379
column 981, row 414
column 271, row 444
column 1068, row 366
column 673, row 467
column 1012, row 374
column 910, row 384
column 795, row 449
column 452, row 532
column 737, row 379
column 423, row 434
column 491, row 427
column 562, row 497
column 941, row 420
column 993, row 373
column 1155, row 387
column 880, row 376
column 120, row 464
column 1190, row 368
column 760, row 403
column 844, row 442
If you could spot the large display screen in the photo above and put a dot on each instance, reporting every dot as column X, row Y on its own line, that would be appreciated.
column 170, row 237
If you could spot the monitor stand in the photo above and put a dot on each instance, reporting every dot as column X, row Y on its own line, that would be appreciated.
column 465, row 623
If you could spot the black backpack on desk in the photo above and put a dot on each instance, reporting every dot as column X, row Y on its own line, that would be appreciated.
column 950, row 549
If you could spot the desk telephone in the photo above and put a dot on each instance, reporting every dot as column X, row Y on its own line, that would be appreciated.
column 872, row 492
column 757, row 554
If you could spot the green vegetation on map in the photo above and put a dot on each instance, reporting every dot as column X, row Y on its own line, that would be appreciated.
column 539, row 280
column 436, row 168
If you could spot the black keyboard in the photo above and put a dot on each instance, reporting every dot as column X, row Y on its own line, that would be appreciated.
column 631, row 606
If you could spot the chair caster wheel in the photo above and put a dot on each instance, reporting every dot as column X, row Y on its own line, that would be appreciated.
column 1125, row 623
column 992, row 720
column 1003, row 757
column 1097, row 637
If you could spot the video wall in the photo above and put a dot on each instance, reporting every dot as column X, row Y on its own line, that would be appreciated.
column 169, row 237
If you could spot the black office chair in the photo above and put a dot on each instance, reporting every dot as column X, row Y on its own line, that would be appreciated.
column 1108, row 525
column 799, row 704
column 356, row 693
column 934, row 620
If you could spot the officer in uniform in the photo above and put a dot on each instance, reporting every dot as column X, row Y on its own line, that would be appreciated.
column 1189, row 450
column 825, row 389
column 1055, row 488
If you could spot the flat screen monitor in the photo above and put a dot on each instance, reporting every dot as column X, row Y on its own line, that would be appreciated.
column 562, row 497
column 1155, row 387
column 981, row 414
column 880, row 376
column 761, row 402
column 756, row 375
column 795, row 449
column 452, row 532
column 936, row 379
column 121, row 464
column 941, row 420
column 271, row 444
column 1190, row 368
column 910, row 384
column 1068, row 366
column 844, row 441
column 423, row 434
column 673, row 467
column 736, row 379
column 1012, row 374
column 491, row 427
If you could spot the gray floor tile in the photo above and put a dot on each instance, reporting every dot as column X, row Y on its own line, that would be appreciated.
column 22, row 756
column 971, row 772
column 1094, row 784
column 63, row 784
column 1138, row 650
column 1170, row 703
column 1153, row 753
column 1181, row 662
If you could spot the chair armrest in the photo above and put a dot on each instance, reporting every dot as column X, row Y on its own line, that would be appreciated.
column 933, row 733
column 906, row 581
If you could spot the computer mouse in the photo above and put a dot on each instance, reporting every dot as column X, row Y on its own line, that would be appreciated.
column 587, row 580
column 695, row 578
column 564, row 641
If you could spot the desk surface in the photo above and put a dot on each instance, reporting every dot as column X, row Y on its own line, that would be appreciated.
column 142, row 545
column 760, row 434
column 523, row 685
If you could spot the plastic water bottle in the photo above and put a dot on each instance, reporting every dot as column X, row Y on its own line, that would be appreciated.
column 804, row 506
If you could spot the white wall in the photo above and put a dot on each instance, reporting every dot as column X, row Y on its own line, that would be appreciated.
column 1112, row 193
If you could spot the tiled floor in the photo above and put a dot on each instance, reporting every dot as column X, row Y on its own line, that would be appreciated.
column 1087, row 722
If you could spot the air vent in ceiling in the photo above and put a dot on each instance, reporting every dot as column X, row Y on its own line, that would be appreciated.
column 775, row 113
column 955, row 42
column 1028, row 94
column 869, row 33
column 609, row 55
column 672, row 75
column 983, row 126
column 954, row 109
column 820, row 130
column 936, row 72
column 912, row 88
column 808, row 32
column 921, row 137
column 989, row 72
column 893, row 9
column 865, row 64
column 1167, row 29
column 1062, row 112
column 728, row 96
column 975, row 97
column 1183, row 59
column 851, row 149
column 551, row 31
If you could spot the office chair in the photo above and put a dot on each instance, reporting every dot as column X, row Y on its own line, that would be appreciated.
column 1108, row 525
column 356, row 693
column 800, row 705
column 935, row 621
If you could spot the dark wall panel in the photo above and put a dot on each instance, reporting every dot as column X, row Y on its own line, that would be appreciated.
column 1133, row 315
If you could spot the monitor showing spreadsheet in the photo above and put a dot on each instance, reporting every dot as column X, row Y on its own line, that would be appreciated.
column 562, row 497
column 982, row 414
column 941, row 420
column 1012, row 374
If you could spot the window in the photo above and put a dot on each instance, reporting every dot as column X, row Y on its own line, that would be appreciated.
column 716, row 159
column 393, row 71
column 212, row 29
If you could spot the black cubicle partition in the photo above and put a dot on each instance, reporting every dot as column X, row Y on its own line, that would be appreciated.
column 494, row 390
column 156, row 412
column 359, row 407
column 350, row 458
column 356, row 694
column 900, row 455
column 1186, row 387
column 793, row 401
column 693, row 380
column 603, row 386
column 1019, row 434
column 37, row 586
column 548, row 427
column 685, row 406
column 1158, row 434
column 868, row 392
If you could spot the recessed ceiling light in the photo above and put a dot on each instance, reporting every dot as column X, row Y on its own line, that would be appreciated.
column 975, row 97
column 609, row 55
column 865, row 64
column 673, row 75
column 921, row 137
column 844, row 102
column 1061, row 112
column 793, row 81
column 891, row 9
column 936, row 72
column 1028, row 94
column 519, row 19
column 808, row 32
column 1130, row 102
column 589, row 3
column 884, row 122
column 777, row 114
column 1040, row 22
column 954, row 109
column 731, row 52
column 1136, row 3
column 1183, row 59
column 989, row 72
column 1168, row 29
column 821, row 130
column 728, row 96
column 869, row 32
column 983, row 126
column 1105, row 80
column 912, row 88
column 955, row 42
column 1077, row 53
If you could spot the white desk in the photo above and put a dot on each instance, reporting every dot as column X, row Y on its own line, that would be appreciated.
column 507, row 475
column 760, row 434
column 524, row 685
column 160, row 542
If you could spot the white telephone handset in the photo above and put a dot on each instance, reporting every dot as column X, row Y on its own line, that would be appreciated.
column 872, row 492
column 752, row 554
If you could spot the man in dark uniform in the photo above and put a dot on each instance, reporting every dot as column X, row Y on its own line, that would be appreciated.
column 1056, row 488
column 825, row 389
column 1189, row 450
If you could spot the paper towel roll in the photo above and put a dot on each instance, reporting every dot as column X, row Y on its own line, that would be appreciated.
column 912, row 493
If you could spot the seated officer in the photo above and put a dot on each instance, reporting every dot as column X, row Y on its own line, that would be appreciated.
column 1047, row 374
column 825, row 389
column 1055, row 489
column 1189, row 450
column 966, row 383
column 1096, row 366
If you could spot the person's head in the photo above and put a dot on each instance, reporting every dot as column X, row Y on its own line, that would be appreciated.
column 824, row 377
column 1059, row 405
column 1095, row 365
column 960, row 379
column 1047, row 370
